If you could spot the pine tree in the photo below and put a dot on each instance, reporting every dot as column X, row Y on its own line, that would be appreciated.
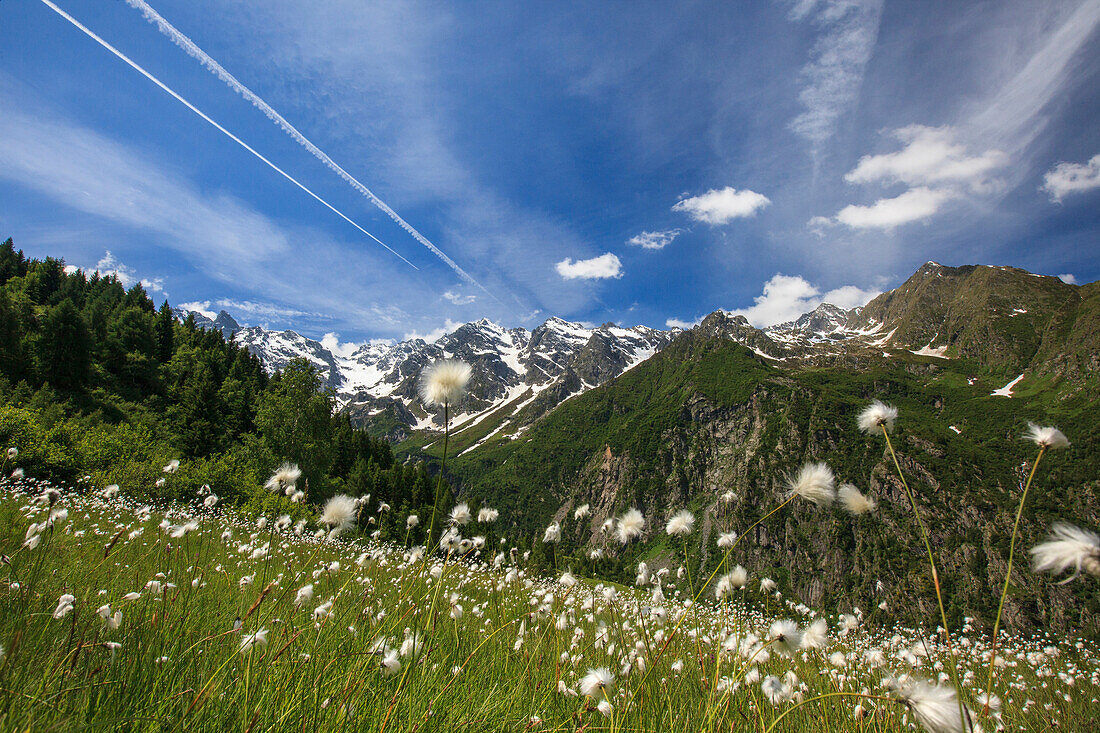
column 165, row 332
column 64, row 348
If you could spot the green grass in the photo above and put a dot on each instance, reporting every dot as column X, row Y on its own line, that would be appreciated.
column 179, row 664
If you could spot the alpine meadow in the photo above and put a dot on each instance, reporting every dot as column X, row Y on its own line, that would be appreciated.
column 544, row 367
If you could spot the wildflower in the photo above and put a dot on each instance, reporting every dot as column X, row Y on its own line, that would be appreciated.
column 131, row 596
column 391, row 663
column 552, row 533
column 32, row 542
column 249, row 641
column 64, row 605
column 816, row 635
column 172, row 466
column 726, row 540
column 775, row 690
column 12, row 453
column 604, row 707
column 114, row 620
column 461, row 514
column 1068, row 547
column 728, row 497
column 877, row 415
column 630, row 525
column 767, row 585
column 933, row 706
column 339, row 513
column 282, row 522
column 412, row 646
column 854, row 501
column 568, row 579
column 110, row 491
column 1046, row 437
column 814, row 483
column 581, row 512
column 444, row 383
column 596, row 681
column 412, row 521
column 284, row 479
column 486, row 515
column 681, row 523
column 210, row 501
column 785, row 636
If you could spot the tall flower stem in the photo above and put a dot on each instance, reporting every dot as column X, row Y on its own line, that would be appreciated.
column 1008, row 574
column 932, row 566
column 439, row 482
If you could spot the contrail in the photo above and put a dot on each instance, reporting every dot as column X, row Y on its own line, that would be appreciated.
column 231, row 81
column 200, row 113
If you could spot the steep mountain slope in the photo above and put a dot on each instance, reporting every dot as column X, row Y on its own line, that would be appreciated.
column 706, row 416
column 729, row 407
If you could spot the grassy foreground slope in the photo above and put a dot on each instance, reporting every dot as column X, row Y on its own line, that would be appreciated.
column 126, row 617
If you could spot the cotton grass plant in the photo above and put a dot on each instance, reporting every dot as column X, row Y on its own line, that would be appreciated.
column 336, row 639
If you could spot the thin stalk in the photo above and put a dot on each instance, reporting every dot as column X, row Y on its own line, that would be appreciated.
column 439, row 482
column 935, row 573
column 1008, row 574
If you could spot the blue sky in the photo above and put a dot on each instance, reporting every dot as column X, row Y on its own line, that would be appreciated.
column 630, row 162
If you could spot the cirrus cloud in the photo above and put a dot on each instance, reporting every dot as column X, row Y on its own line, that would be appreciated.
column 605, row 266
column 722, row 205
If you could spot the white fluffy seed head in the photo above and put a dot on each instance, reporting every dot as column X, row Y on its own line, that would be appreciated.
column 1046, row 437
column 461, row 514
column 681, row 523
column 552, row 533
column 597, row 680
column 339, row 513
column 933, row 706
column 444, row 383
column 876, row 416
column 285, row 477
column 785, row 636
column 814, row 482
column 1068, row 547
column 854, row 501
column 630, row 526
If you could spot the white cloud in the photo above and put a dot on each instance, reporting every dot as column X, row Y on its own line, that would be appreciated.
column 198, row 306
column 913, row 205
column 786, row 297
column 831, row 80
column 930, row 155
column 721, row 206
column 606, row 265
column 432, row 336
column 331, row 341
column 1018, row 112
column 264, row 310
column 458, row 298
column 1068, row 278
column 1066, row 178
column 654, row 240
column 110, row 265
column 677, row 323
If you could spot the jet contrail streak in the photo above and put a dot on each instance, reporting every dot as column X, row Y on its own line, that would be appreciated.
column 200, row 113
column 231, row 81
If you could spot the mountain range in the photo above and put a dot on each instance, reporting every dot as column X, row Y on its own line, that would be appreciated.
column 715, row 418
column 521, row 375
